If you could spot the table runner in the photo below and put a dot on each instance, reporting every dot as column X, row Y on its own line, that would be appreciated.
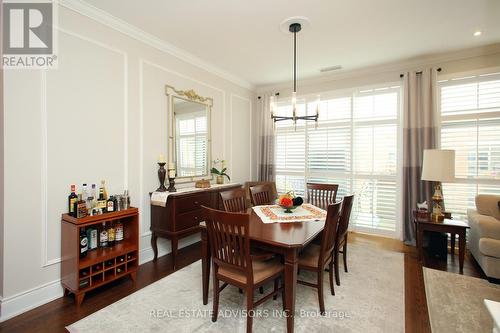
column 276, row 214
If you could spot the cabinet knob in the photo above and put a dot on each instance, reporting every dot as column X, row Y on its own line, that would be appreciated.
column 196, row 218
column 196, row 203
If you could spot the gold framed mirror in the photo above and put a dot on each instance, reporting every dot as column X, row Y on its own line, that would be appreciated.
column 189, row 134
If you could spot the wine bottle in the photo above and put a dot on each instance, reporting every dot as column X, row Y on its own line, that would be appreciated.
column 84, row 243
column 72, row 198
column 111, row 235
column 103, row 187
column 118, row 231
column 103, row 236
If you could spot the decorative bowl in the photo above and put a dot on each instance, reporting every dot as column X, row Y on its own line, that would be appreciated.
column 289, row 208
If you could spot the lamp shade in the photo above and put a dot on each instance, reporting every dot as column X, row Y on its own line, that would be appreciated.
column 439, row 165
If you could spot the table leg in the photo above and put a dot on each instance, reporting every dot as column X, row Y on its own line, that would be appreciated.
column 291, row 266
column 205, row 264
column 420, row 241
column 452, row 243
column 461, row 249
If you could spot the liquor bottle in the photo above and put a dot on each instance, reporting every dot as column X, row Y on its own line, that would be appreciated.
column 103, row 187
column 111, row 235
column 119, row 270
column 103, row 236
column 85, row 194
column 93, row 193
column 101, row 202
column 80, row 207
column 119, row 231
column 84, row 243
column 110, row 205
column 72, row 198
column 92, row 238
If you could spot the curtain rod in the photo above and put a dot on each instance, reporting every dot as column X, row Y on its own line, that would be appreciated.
column 400, row 75
column 275, row 94
column 420, row 72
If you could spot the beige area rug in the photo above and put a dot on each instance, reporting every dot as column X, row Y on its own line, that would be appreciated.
column 369, row 299
column 455, row 302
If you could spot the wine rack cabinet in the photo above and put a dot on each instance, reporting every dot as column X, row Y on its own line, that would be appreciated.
column 101, row 265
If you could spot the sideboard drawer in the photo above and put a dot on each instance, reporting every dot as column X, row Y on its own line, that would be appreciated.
column 192, row 202
column 188, row 220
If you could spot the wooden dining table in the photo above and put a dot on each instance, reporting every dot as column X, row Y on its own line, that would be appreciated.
column 286, row 239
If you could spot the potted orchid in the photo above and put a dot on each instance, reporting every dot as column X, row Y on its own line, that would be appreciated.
column 219, row 173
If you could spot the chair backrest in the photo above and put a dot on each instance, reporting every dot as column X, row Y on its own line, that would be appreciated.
column 329, row 233
column 261, row 195
column 345, row 215
column 274, row 192
column 229, row 241
column 234, row 200
column 321, row 195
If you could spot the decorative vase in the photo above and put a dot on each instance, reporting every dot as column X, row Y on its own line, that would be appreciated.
column 219, row 179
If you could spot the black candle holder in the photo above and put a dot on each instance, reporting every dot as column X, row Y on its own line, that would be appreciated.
column 162, row 173
column 171, row 187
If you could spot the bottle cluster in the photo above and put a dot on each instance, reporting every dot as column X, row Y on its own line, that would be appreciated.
column 91, row 201
column 106, row 235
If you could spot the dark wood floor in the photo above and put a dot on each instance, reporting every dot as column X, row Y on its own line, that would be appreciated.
column 54, row 316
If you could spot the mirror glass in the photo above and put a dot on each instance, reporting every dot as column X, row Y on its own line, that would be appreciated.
column 191, row 137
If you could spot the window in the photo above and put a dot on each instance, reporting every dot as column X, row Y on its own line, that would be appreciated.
column 191, row 143
column 470, row 124
column 354, row 144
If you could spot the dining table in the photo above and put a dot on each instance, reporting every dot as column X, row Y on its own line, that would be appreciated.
column 283, row 238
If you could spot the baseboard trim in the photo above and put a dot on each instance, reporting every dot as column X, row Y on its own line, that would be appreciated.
column 30, row 299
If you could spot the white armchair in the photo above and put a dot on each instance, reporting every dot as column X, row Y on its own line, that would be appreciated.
column 484, row 235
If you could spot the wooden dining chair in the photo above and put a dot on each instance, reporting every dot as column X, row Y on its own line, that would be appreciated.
column 317, row 257
column 341, row 242
column 261, row 195
column 321, row 195
column 228, row 235
column 234, row 200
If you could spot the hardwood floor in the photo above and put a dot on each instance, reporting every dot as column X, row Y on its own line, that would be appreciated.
column 54, row 316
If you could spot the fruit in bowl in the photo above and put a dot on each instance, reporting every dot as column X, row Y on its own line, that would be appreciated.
column 289, row 201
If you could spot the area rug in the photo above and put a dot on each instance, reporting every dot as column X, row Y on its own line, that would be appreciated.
column 369, row 299
column 455, row 302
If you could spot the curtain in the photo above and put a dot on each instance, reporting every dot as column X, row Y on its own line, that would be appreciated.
column 266, row 171
column 419, row 132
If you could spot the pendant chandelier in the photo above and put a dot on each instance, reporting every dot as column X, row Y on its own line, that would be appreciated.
column 294, row 29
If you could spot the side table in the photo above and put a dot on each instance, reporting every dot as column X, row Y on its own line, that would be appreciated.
column 452, row 227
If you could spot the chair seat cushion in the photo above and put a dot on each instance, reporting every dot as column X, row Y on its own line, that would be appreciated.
column 262, row 269
column 310, row 256
column 489, row 247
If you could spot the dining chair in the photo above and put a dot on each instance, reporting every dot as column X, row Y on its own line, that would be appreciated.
column 228, row 235
column 261, row 195
column 317, row 257
column 341, row 242
column 234, row 200
column 321, row 195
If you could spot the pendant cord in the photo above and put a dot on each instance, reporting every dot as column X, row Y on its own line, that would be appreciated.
column 295, row 61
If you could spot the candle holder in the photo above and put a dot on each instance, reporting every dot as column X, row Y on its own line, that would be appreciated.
column 162, row 173
column 171, row 187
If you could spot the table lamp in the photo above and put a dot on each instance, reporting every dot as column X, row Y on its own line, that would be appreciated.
column 438, row 166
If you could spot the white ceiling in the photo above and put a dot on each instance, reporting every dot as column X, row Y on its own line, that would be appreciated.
column 244, row 38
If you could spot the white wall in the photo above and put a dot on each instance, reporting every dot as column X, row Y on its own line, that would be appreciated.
column 100, row 115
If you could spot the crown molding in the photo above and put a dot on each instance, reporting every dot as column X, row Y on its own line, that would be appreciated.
column 415, row 63
column 103, row 17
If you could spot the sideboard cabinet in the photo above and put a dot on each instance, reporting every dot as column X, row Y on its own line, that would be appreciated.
column 182, row 215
